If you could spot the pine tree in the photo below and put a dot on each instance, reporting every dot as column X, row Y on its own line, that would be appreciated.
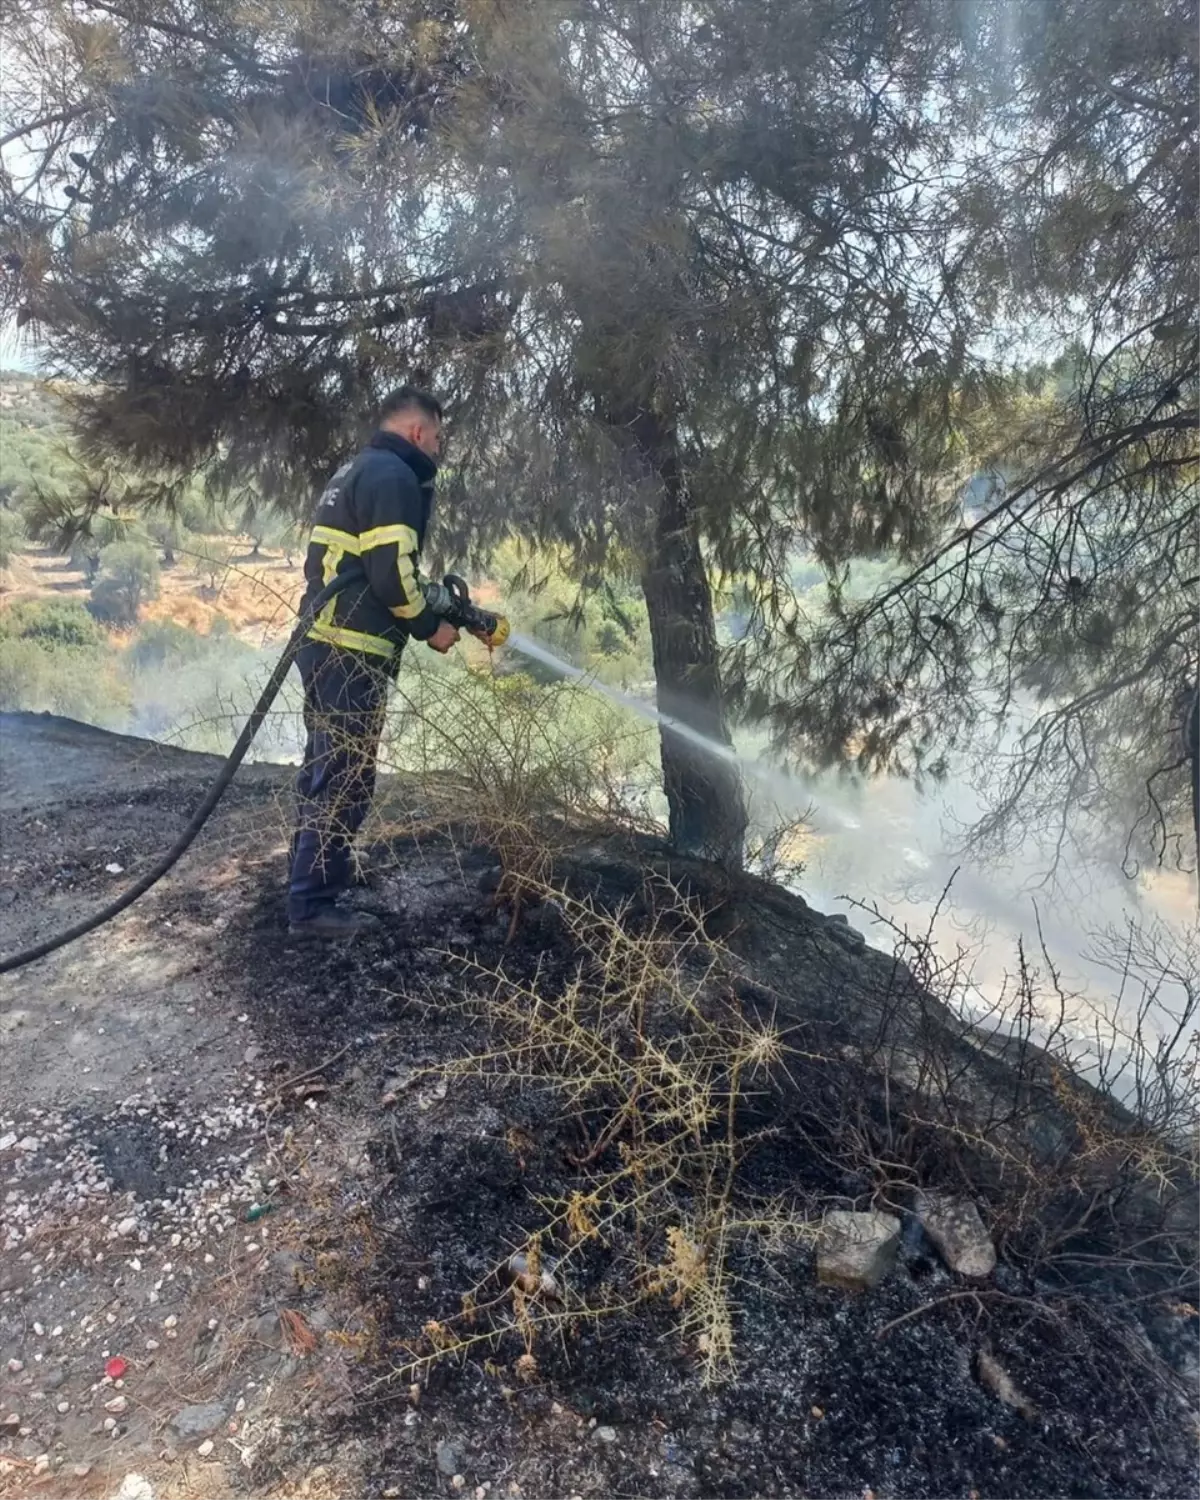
column 1061, row 611
column 681, row 272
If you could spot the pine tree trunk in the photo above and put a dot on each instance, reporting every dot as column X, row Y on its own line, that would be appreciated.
column 704, row 792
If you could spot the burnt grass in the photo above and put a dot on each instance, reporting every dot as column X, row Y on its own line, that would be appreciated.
column 834, row 1393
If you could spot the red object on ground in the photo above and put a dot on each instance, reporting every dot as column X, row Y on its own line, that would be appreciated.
column 114, row 1368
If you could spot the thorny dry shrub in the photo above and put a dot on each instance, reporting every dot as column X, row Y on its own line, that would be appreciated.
column 514, row 766
column 652, row 1061
column 1074, row 1127
column 483, row 758
column 669, row 1081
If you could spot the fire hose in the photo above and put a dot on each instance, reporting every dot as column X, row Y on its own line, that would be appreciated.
column 451, row 600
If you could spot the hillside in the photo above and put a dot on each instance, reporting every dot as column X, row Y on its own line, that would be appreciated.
column 255, row 599
column 284, row 1187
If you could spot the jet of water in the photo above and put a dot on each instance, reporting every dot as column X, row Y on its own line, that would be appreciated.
column 548, row 658
column 769, row 776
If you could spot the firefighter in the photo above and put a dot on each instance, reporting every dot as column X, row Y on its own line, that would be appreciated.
column 371, row 518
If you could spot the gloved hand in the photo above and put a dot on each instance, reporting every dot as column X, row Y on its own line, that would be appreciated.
column 438, row 597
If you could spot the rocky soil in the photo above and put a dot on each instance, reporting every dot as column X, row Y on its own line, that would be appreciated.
column 239, row 1177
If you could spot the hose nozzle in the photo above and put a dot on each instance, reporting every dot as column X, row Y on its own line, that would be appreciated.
column 491, row 629
column 498, row 634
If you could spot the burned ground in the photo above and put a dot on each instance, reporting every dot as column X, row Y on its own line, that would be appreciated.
column 250, row 1074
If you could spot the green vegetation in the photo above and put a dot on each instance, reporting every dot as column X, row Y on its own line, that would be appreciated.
column 54, row 658
column 13, row 537
column 703, row 288
column 167, row 682
column 52, row 623
column 128, row 579
column 212, row 555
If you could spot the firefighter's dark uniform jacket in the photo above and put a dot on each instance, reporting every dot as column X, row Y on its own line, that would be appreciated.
column 373, row 514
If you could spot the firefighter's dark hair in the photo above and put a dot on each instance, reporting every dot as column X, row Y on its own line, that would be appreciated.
column 408, row 396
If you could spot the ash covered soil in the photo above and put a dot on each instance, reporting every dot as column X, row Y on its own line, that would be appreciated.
column 245, row 1170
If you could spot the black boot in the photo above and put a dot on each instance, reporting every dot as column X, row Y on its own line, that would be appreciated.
column 332, row 924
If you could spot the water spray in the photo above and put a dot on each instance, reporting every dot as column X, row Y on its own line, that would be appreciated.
column 783, row 782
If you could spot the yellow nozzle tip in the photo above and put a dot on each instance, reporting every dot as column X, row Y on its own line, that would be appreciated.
column 500, row 634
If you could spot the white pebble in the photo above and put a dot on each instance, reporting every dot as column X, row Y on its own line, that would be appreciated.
column 171, row 1322
column 151, row 1344
column 205, row 1448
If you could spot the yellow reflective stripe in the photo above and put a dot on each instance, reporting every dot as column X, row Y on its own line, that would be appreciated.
column 406, row 543
column 412, row 589
column 329, row 536
column 337, row 544
column 381, row 536
column 352, row 640
column 331, row 563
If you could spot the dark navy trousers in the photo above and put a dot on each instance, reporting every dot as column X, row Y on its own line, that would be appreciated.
column 345, row 694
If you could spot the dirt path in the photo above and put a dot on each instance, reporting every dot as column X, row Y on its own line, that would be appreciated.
column 127, row 1007
column 134, row 1142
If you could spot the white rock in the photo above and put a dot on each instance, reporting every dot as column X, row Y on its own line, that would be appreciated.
column 15, row 1366
column 954, row 1226
column 117, row 1405
column 113, row 868
column 171, row 1322
column 8, row 1141
column 857, row 1250
column 152, row 1344
column 606, row 1434
column 134, row 1487
column 205, row 1448
column 127, row 1226
column 39, row 1330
